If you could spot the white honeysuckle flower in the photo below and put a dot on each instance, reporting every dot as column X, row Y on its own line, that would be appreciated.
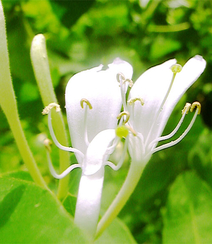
column 152, row 100
column 150, row 103
column 93, row 103
column 100, row 90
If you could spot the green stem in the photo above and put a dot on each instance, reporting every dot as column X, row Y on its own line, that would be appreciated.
column 43, row 77
column 131, row 181
column 9, row 106
column 24, row 149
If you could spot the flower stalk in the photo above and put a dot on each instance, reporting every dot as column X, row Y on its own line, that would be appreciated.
column 9, row 107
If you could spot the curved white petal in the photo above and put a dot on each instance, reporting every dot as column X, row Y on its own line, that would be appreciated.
column 96, row 154
column 189, row 74
column 151, row 86
column 101, row 89
column 91, row 182
column 89, row 202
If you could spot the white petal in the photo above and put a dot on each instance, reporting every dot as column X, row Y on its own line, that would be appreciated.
column 123, row 67
column 101, row 89
column 96, row 154
column 91, row 182
column 189, row 74
column 89, row 202
column 151, row 86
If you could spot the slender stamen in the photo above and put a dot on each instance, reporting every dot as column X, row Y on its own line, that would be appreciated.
column 131, row 130
column 88, row 105
column 133, row 100
column 122, row 114
column 197, row 105
column 186, row 108
column 121, row 161
column 47, row 144
column 120, row 77
column 47, row 110
column 172, row 143
column 122, row 80
column 162, row 138
column 84, row 100
column 141, row 138
column 176, row 68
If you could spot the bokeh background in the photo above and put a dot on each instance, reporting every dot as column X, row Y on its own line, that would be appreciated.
column 83, row 34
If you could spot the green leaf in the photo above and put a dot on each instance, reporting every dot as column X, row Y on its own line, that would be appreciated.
column 30, row 214
column 21, row 175
column 69, row 204
column 188, row 217
column 116, row 233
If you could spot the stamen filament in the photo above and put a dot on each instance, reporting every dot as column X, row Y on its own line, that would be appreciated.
column 69, row 149
column 47, row 144
column 197, row 105
column 122, row 80
column 124, row 113
column 48, row 108
column 175, row 69
column 162, row 138
column 88, row 105
column 131, row 130
column 120, row 163
column 172, row 143
column 133, row 100
column 111, row 148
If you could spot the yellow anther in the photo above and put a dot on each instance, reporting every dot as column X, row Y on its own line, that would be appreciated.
column 124, row 113
column 196, row 105
column 84, row 100
column 122, row 131
column 176, row 68
column 186, row 108
column 133, row 100
column 47, row 143
column 47, row 109
column 120, row 77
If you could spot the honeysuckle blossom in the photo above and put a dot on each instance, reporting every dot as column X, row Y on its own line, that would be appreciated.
column 152, row 100
column 150, row 103
column 93, row 103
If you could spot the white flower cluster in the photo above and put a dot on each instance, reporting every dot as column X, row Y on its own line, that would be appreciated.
column 94, row 99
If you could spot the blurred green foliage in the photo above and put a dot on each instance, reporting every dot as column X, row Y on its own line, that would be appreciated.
column 83, row 34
